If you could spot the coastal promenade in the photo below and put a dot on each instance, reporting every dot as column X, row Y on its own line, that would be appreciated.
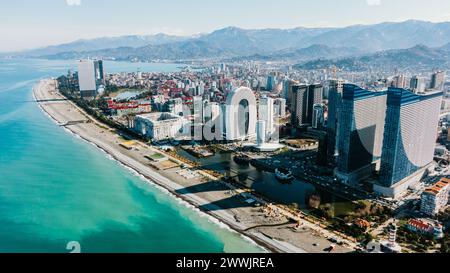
column 219, row 200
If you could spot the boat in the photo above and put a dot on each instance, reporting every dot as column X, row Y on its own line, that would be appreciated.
column 283, row 174
column 242, row 159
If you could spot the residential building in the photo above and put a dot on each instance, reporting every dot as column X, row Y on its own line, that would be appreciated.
column 438, row 81
column 426, row 227
column 87, row 78
column 435, row 199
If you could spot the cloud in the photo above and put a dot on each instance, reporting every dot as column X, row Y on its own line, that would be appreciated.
column 73, row 2
column 373, row 2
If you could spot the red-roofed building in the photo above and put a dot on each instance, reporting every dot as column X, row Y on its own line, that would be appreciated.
column 127, row 108
column 425, row 227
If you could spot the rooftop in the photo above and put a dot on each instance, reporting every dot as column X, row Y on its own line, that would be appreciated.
column 438, row 187
column 159, row 117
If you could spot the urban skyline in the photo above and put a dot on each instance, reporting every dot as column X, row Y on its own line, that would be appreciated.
column 240, row 131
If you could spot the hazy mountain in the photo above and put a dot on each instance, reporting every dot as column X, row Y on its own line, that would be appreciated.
column 386, row 36
column 306, row 54
column 132, row 41
column 191, row 49
column 245, row 42
column 267, row 43
column 414, row 57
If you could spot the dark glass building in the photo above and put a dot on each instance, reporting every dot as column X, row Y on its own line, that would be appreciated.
column 303, row 101
column 409, row 136
column 334, row 106
column 361, row 127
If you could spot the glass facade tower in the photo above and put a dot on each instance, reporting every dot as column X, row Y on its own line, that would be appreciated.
column 410, row 134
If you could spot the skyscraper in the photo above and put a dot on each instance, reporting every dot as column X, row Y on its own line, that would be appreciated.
column 280, row 107
column 267, row 113
column 399, row 81
column 334, row 106
column 438, row 80
column 286, row 88
column 240, row 114
column 260, row 132
column 86, row 78
column 90, row 77
column 99, row 72
column 315, row 96
column 361, row 126
column 409, row 139
column 417, row 84
column 198, row 117
column 304, row 99
column 299, row 105
column 271, row 82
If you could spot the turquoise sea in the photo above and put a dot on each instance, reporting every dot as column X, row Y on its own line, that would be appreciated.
column 56, row 188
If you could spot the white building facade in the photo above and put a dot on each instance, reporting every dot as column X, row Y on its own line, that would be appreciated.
column 240, row 114
column 160, row 126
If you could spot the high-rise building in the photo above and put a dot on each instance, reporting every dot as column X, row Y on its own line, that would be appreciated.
column 399, row 81
column 261, row 132
column 90, row 77
column 286, row 88
column 434, row 199
column 87, row 78
column 200, row 89
column 318, row 118
column 211, row 111
column 280, row 107
column 198, row 108
column 304, row 99
column 290, row 94
column 334, row 106
column 299, row 105
column 267, row 114
column 315, row 96
column 417, row 84
column 99, row 72
column 361, row 125
column 409, row 139
column 198, row 117
column 240, row 115
column 438, row 80
column 271, row 82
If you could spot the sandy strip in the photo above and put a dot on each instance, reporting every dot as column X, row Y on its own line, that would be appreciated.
column 211, row 197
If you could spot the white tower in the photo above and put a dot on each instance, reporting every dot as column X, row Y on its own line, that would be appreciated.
column 267, row 113
column 260, row 132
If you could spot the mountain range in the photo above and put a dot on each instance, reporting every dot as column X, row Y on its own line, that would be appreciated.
column 416, row 57
column 85, row 45
column 298, row 45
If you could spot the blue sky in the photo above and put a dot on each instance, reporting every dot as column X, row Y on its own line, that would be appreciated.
column 34, row 23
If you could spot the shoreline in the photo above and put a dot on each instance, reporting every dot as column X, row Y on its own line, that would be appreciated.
column 261, row 241
column 222, row 217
